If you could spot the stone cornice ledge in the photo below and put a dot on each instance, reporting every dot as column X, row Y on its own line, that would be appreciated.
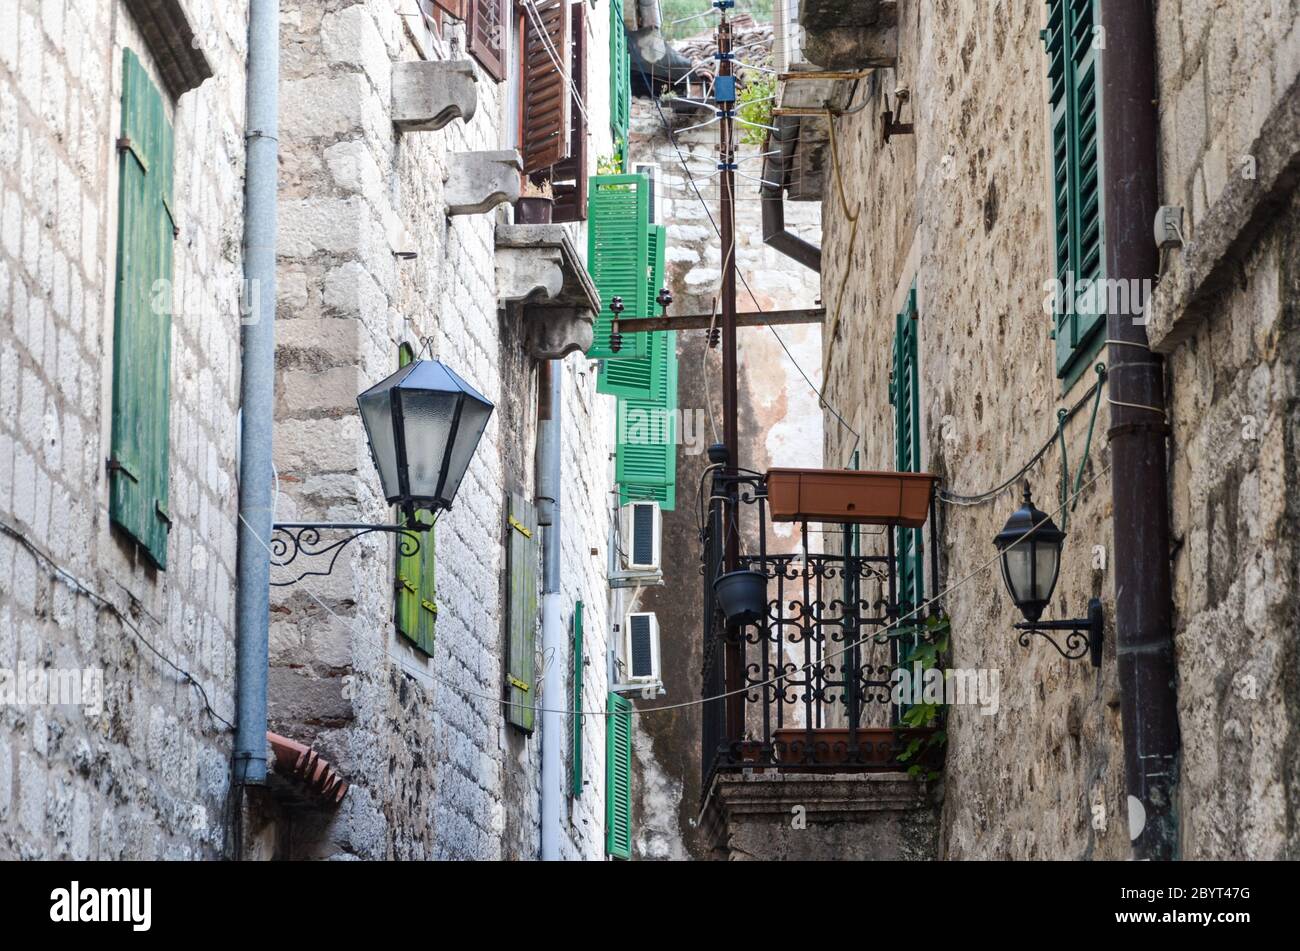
column 168, row 31
column 429, row 94
column 538, row 267
column 479, row 181
column 1207, row 264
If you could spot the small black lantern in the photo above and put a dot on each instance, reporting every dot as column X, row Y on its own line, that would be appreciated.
column 1030, row 547
column 423, row 423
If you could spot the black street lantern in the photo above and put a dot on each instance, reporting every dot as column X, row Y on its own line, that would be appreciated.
column 1031, row 557
column 1030, row 547
column 424, row 423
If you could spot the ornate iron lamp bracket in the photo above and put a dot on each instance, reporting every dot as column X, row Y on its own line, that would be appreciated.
column 1084, row 637
column 291, row 539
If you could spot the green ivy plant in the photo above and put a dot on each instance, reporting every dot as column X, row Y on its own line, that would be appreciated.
column 754, row 105
column 926, row 650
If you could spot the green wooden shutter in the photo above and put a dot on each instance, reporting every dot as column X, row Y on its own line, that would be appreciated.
column 905, row 395
column 646, row 447
column 416, row 611
column 1072, row 69
column 139, row 468
column 618, row 252
column 620, row 73
column 618, row 778
column 635, row 378
column 576, row 714
column 521, row 610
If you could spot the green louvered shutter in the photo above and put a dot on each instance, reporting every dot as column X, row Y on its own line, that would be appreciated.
column 521, row 613
column 576, row 709
column 618, row 778
column 416, row 611
column 635, row 378
column 905, row 395
column 142, row 326
column 1072, row 68
column 620, row 73
column 646, row 446
column 618, row 252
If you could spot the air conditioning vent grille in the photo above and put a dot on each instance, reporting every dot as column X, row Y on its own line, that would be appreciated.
column 642, row 646
column 643, row 535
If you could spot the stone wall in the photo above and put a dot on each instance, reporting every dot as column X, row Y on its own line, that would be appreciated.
column 962, row 207
column 436, row 771
column 780, row 424
column 147, row 776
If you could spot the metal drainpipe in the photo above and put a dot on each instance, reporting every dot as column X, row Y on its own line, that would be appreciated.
column 549, row 428
column 257, row 390
column 1139, row 475
column 775, row 170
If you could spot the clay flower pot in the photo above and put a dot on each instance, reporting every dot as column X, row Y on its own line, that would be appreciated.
column 842, row 495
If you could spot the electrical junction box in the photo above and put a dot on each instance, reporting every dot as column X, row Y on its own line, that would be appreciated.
column 724, row 89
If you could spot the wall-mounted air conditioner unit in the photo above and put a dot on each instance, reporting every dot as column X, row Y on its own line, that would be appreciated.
column 642, row 651
column 787, row 36
column 641, row 536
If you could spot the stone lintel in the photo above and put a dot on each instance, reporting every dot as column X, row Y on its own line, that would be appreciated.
column 788, row 815
column 538, row 268
column 479, row 181
column 1208, row 263
column 427, row 95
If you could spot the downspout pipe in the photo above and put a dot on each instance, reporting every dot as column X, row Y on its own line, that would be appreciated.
column 1138, row 433
column 252, row 599
column 554, row 643
column 776, row 170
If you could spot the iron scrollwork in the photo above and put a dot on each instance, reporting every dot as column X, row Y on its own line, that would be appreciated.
column 1083, row 637
column 291, row 539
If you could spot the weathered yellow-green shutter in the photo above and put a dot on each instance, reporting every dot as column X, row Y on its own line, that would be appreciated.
column 618, row 778
column 575, row 713
column 138, row 467
column 521, row 612
column 416, row 609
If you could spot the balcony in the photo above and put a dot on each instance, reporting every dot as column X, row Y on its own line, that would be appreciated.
column 804, row 692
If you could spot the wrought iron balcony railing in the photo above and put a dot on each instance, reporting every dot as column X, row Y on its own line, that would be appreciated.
column 807, row 686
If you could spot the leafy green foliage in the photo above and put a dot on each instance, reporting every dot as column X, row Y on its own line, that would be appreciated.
column 755, row 105
column 926, row 647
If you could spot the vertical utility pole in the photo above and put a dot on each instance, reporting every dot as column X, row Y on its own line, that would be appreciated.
column 725, row 98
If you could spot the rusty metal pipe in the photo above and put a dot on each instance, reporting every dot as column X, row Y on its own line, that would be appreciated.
column 1139, row 473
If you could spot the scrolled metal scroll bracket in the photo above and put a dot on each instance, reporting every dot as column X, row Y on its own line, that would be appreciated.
column 291, row 539
column 1084, row 637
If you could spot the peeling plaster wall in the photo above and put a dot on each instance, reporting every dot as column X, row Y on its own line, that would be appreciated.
column 780, row 425
column 146, row 776
column 436, row 771
column 963, row 208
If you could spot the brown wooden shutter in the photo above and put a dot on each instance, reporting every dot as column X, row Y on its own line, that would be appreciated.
column 487, row 29
column 569, row 178
column 545, row 100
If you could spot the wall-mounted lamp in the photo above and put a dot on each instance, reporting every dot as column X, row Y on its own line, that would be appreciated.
column 423, row 424
column 1031, row 561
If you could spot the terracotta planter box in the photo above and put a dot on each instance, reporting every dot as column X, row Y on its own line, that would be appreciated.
column 842, row 495
column 830, row 746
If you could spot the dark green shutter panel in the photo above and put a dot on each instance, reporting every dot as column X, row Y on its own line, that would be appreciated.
column 416, row 612
column 521, row 613
column 576, row 714
column 635, row 378
column 1072, row 67
column 620, row 73
column 618, row 248
column 905, row 394
column 618, row 778
column 138, row 494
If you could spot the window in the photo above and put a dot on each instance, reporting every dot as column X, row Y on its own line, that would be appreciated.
column 568, row 177
column 905, row 396
column 416, row 598
column 1072, row 72
column 486, row 26
column 521, row 613
column 618, row 778
column 138, row 467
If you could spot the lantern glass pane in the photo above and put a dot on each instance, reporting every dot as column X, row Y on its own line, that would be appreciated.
column 473, row 420
column 377, row 414
column 427, row 417
column 1016, row 563
column 1048, row 559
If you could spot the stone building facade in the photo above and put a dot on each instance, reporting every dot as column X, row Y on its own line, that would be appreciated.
column 780, row 425
column 133, row 765
column 959, row 209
